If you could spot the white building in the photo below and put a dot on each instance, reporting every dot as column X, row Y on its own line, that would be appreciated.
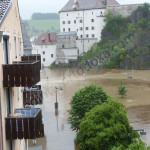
column 46, row 47
column 86, row 17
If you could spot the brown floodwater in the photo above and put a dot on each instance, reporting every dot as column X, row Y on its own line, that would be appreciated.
column 58, row 135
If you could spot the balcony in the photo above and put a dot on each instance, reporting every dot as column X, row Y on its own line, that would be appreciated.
column 33, row 96
column 24, row 124
column 32, row 58
column 21, row 74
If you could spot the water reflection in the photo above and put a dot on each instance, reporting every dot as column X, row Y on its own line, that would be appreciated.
column 58, row 135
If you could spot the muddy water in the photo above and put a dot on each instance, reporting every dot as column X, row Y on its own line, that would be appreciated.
column 58, row 135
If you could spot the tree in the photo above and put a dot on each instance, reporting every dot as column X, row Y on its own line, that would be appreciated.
column 122, row 90
column 83, row 101
column 106, row 126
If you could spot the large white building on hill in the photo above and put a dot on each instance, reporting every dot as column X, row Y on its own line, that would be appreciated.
column 86, row 17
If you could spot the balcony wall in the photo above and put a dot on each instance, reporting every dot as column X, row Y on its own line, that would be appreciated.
column 32, row 58
column 28, row 126
column 21, row 74
column 33, row 96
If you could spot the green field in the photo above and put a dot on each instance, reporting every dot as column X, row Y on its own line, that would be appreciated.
column 36, row 27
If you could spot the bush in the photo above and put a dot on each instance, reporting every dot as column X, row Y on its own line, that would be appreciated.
column 106, row 126
column 122, row 90
column 83, row 101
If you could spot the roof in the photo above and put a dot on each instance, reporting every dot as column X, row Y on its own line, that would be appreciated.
column 87, row 4
column 67, row 33
column 46, row 39
column 5, row 5
column 26, row 39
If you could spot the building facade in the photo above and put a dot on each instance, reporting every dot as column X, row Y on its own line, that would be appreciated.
column 66, row 47
column 46, row 47
column 11, row 50
column 27, row 46
column 16, row 73
column 86, row 18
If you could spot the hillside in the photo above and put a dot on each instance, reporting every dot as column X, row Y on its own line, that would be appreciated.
column 125, row 42
column 36, row 27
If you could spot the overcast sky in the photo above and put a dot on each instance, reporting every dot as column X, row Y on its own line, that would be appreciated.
column 28, row 7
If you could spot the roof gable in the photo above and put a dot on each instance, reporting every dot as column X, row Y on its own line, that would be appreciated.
column 87, row 4
column 46, row 39
column 4, row 9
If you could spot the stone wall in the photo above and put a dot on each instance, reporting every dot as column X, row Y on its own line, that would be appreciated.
column 124, row 10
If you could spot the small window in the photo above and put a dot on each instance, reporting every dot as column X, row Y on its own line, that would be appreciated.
column 63, row 46
column 52, row 55
column 93, row 35
column 74, row 21
column 69, row 29
column 67, row 14
column 101, row 12
column 63, row 22
column 87, row 28
column 92, row 13
column 43, row 52
column 77, row 29
column 63, row 29
column 81, row 41
column 81, row 36
column 92, row 28
column 87, row 35
column 43, row 59
column 15, row 41
column 80, row 28
column 92, row 20
column 80, row 21
column 69, row 22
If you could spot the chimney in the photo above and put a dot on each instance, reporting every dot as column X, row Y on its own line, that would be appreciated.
column 104, row 2
column 75, row 1
column 49, row 36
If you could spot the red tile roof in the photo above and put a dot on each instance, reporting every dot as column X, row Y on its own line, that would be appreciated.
column 47, row 39
column 87, row 4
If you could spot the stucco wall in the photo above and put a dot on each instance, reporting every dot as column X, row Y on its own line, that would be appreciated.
column 11, row 26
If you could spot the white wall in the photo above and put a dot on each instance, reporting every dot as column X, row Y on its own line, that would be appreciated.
column 49, row 50
column 87, row 44
column 87, row 15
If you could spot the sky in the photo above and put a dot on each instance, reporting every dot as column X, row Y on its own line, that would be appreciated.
column 28, row 7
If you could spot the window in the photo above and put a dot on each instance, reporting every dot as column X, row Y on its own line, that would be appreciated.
column 87, row 35
column 69, row 22
column 81, row 36
column 43, row 59
column 63, row 46
column 43, row 52
column 93, row 35
column 81, row 28
column 92, row 20
column 63, row 29
column 92, row 13
column 15, row 46
column 80, row 21
column 63, row 22
column 101, row 12
column 52, row 56
column 87, row 28
column 68, row 29
column 67, row 14
column 19, row 42
column 77, row 29
column 74, row 21
column 92, row 28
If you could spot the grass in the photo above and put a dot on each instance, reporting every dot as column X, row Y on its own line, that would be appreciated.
column 36, row 27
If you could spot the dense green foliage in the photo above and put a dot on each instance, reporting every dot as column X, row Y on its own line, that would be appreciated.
column 122, row 90
column 125, row 39
column 44, row 16
column 36, row 27
column 106, row 127
column 83, row 101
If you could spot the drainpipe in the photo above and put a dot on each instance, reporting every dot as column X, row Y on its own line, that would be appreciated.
column 1, row 131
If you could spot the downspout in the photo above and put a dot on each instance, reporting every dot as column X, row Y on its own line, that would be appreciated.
column 83, row 31
column 1, row 133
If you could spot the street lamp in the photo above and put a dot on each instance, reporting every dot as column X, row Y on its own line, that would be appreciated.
column 56, row 103
column 142, row 132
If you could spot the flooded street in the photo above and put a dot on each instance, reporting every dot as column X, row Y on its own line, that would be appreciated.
column 58, row 135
